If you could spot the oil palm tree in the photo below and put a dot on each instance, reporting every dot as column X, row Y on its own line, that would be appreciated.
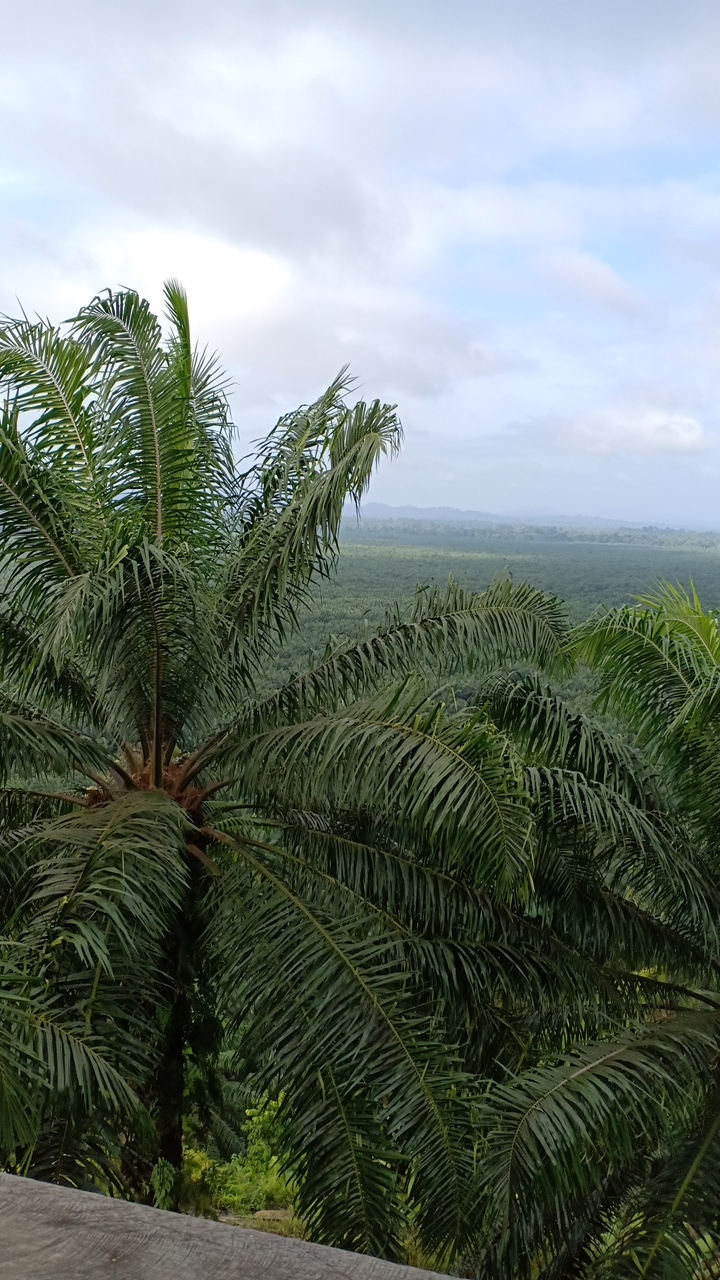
column 204, row 883
column 601, row 1151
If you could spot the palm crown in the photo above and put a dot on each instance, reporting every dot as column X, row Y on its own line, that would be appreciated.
column 201, row 885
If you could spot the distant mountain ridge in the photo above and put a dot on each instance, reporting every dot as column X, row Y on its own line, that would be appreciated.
column 453, row 515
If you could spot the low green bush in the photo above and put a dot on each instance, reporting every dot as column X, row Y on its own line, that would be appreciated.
column 245, row 1184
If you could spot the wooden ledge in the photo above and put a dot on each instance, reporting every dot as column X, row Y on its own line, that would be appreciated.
column 53, row 1233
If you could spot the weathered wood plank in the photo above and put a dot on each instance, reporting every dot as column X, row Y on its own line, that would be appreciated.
column 53, row 1233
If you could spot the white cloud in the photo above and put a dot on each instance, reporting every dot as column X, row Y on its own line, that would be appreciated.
column 227, row 284
column 494, row 213
column 623, row 431
column 581, row 276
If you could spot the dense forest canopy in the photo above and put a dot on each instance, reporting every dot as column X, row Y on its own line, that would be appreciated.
column 384, row 561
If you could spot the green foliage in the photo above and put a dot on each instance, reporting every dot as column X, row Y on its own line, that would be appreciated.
column 254, row 1180
column 163, row 1181
column 601, row 1161
column 181, row 921
column 385, row 560
column 250, row 1182
column 472, row 945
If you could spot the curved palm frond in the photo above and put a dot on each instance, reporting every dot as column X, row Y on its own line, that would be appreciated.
column 353, row 1013
column 547, row 1129
column 466, row 799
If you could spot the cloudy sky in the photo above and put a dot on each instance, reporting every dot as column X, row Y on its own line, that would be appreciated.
column 505, row 216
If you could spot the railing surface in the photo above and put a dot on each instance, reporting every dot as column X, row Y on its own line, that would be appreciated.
column 53, row 1233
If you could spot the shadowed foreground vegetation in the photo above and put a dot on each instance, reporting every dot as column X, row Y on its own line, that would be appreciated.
column 440, row 974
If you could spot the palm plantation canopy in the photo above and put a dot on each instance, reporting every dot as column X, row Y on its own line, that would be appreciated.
column 472, row 952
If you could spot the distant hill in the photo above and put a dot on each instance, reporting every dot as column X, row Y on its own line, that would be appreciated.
column 453, row 515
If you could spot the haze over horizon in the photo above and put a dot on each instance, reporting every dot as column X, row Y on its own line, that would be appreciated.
column 505, row 218
column 374, row 511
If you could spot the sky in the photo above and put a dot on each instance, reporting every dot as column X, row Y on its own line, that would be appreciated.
column 505, row 217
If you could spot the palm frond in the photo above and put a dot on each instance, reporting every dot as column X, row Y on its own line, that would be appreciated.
column 36, row 507
column 350, row 1012
column 349, row 1192
column 35, row 744
column 466, row 798
column 449, row 630
column 315, row 460
column 547, row 1129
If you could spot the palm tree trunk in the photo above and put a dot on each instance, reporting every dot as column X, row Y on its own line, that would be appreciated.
column 171, row 1089
column 182, row 961
column 170, row 1078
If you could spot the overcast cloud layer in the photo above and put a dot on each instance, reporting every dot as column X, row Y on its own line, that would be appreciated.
column 505, row 217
